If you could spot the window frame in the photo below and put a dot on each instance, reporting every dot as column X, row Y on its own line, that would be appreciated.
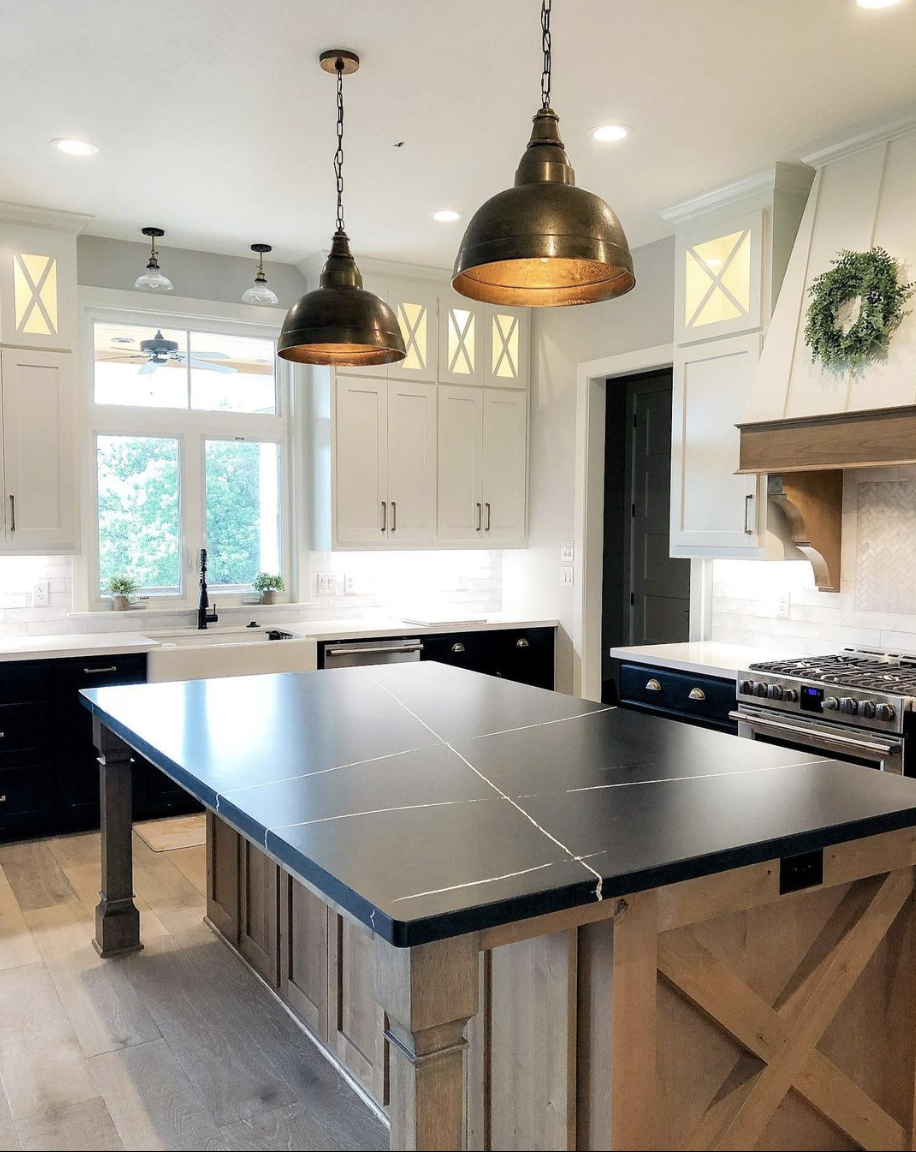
column 191, row 427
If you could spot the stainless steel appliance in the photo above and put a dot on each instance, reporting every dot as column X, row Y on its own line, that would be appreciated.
column 857, row 705
column 358, row 652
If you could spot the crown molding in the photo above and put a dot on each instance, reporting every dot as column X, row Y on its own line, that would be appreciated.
column 868, row 138
column 52, row 218
column 793, row 178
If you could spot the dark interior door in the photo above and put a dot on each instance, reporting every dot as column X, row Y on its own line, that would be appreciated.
column 659, row 592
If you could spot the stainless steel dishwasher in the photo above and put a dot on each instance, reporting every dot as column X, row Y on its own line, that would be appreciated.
column 358, row 652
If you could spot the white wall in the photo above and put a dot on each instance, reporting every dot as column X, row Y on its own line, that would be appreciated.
column 561, row 339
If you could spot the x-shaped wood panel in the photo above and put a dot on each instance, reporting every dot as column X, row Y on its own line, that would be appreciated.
column 411, row 332
column 785, row 1036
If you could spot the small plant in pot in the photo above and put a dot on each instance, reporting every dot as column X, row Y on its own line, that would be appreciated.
column 122, row 588
column 267, row 586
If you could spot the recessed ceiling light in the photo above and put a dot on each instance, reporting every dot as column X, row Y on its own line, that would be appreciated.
column 446, row 215
column 73, row 147
column 876, row 3
column 608, row 133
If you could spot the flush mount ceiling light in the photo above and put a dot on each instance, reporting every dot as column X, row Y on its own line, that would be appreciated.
column 259, row 292
column 544, row 242
column 152, row 279
column 446, row 216
column 74, row 147
column 610, row 133
column 340, row 322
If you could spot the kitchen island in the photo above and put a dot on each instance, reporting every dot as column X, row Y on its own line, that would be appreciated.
column 588, row 928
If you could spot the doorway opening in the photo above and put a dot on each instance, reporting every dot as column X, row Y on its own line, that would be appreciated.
column 645, row 593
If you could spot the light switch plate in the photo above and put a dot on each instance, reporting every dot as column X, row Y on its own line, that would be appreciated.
column 567, row 552
column 327, row 584
column 41, row 594
column 566, row 577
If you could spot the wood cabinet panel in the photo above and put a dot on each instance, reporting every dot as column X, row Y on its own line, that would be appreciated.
column 304, row 958
column 259, row 909
column 357, row 1024
column 223, row 877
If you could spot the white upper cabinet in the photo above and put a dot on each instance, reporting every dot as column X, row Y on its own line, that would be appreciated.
column 412, row 430
column 462, row 325
column 38, row 477
column 416, row 307
column 505, row 467
column 360, row 488
column 506, row 341
column 719, row 278
column 37, row 287
column 460, row 466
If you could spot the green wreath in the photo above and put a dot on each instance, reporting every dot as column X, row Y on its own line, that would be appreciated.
column 871, row 276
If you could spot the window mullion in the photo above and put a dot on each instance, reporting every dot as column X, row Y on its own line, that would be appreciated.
column 193, row 514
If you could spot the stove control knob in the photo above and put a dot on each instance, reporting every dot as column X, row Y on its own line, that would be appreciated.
column 791, row 695
column 774, row 692
column 760, row 689
column 746, row 687
column 885, row 712
column 867, row 709
column 849, row 706
column 831, row 704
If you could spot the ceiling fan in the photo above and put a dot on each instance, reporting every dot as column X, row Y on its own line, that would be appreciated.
column 158, row 351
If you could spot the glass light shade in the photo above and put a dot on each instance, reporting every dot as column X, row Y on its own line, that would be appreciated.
column 260, row 293
column 544, row 242
column 152, row 280
column 340, row 322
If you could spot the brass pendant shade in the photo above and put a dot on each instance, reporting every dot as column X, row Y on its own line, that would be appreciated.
column 544, row 242
column 340, row 322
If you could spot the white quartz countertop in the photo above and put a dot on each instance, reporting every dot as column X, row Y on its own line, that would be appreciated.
column 707, row 657
column 111, row 643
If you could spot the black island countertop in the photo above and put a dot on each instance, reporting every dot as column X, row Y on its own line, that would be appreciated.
column 429, row 801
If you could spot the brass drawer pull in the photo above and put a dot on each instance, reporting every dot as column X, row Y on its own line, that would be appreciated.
column 653, row 686
column 3, row 798
column 523, row 643
column 696, row 694
column 458, row 647
column 99, row 671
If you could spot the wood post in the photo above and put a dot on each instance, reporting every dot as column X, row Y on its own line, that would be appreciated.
column 117, row 921
column 428, row 993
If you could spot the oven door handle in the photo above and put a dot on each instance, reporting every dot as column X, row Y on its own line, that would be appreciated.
column 817, row 736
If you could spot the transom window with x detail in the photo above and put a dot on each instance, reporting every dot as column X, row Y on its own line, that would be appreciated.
column 718, row 280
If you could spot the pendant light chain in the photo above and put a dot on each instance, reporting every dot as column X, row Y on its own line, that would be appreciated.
column 339, row 154
column 545, row 44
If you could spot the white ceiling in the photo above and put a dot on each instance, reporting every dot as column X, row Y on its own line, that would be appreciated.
column 215, row 122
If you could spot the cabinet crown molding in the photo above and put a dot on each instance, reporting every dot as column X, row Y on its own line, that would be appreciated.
column 880, row 134
column 781, row 177
column 54, row 218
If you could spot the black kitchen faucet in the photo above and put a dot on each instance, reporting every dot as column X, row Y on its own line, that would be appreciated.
column 203, row 616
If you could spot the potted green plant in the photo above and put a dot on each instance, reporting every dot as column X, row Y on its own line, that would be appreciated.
column 267, row 586
column 122, row 588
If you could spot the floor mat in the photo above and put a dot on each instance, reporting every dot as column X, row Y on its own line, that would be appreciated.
column 174, row 832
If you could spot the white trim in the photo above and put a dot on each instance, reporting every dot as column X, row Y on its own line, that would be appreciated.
column 53, row 218
column 782, row 176
column 589, row 480
column 187, row 308
column 861, row 141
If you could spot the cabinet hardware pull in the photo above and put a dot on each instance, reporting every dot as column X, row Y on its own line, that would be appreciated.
column 458, row 647
column 96, row 671
column 696, row 694
column 479, row 515
column 384, row 516
column 748, row 526
column 12, row 513
column 488, row 516
column 3, row 798
column 2, row 735
column 653, row 686
column 394, row 516
column 523, row 643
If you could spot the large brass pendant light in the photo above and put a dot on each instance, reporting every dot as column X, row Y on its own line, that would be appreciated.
column 340, row 322
column 544, row 242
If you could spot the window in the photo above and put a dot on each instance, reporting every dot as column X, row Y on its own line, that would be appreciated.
column 189, row 442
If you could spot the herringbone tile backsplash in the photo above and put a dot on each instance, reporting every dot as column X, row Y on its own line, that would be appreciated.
column 885, row 572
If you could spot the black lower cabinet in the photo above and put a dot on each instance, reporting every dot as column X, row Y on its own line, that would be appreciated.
column 49, row 770
column 706, row 701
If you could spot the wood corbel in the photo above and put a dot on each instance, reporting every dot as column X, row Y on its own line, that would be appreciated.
column 813, row 504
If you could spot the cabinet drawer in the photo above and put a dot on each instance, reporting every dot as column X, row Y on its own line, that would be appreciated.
column 26, row 801
column 25, row 680
column 75, row 722
column 526, row 656
column 681, row 695
column 24, row 727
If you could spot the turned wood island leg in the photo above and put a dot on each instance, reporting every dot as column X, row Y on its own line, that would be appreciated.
column 428, row 994
column 117, row 921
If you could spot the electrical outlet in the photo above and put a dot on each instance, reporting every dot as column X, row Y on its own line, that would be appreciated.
column 782, row 606
column 41, row 594
column 567, row 552
column 566, row 577
column 327, row 583
column 350, row 588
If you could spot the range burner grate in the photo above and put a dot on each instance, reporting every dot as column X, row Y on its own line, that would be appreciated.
column 869, row 671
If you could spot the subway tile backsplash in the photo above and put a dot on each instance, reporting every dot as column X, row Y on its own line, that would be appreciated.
column 876, row 605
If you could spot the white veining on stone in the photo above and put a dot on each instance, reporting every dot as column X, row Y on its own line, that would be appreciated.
column 544, row 723
column 321, row 771
column 697, row 776
column 376, row 812
column 473, row 883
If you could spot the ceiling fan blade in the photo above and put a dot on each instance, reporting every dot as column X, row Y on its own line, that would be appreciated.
column 205, row 364
column 121, row 357
column 207, row 355
column 150, row 367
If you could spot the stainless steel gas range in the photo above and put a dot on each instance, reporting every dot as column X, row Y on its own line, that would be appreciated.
column 857, row 705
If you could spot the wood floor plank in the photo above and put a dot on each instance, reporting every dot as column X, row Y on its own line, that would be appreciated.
column 211, row 1030
column 192, row 863
column 16, row 944
column 80, row 848
column 166, row 835
column 103, row 1006
column 42, row 1066
column 85, row 879
column 286, row 1128
column 152, row 1102
column 172, row 897
column 35, row 876
column 77, row 1127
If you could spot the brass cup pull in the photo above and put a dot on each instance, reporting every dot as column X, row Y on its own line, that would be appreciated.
column 3, row 798
column 696, row 694
column 653, row 686
column 523, row 643
column 458, row 647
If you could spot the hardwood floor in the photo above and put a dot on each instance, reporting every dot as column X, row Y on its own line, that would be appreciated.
column 176, row 1047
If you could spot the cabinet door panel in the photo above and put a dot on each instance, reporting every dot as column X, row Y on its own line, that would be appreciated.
column 38, row 418
column 415, row 307
column 712, row 508
column 506, row 347
column 223, row 862
column 411, row 463
column 360, row 451
column 460, row 465
column 505, row 465
column 461, row 340
column 259, row 938
column 304, row 960
column 357, row 1024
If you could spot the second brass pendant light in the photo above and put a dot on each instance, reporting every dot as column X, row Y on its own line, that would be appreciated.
column 544, row 242
column 340, row 322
